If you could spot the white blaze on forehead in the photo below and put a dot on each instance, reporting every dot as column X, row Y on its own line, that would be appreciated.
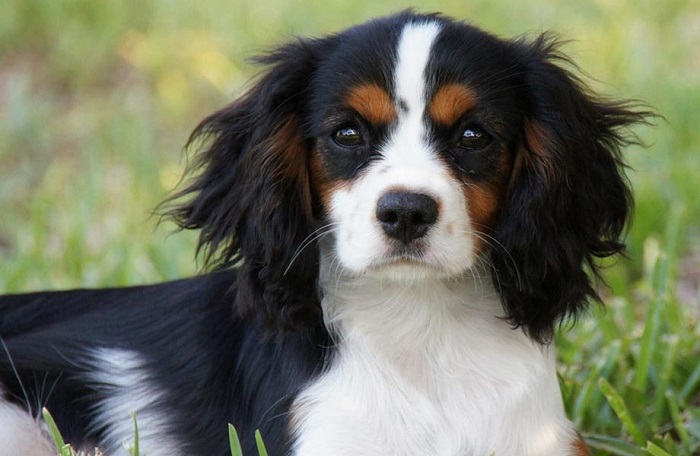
column 407, row 145
column 413, row 54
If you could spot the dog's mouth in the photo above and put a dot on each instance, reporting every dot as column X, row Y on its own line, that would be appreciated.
column 418, row 260
column 409, row 258
column 414, row 252
column 402, row 260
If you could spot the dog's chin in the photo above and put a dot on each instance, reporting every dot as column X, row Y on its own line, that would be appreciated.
column 412, row 269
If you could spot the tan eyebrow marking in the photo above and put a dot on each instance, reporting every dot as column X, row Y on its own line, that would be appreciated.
column 450, row 103
column 373, row 103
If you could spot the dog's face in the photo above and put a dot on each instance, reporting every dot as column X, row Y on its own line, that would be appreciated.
column 415, row 148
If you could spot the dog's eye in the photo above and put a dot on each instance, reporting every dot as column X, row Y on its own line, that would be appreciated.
column 347, row 137
column 474, row 138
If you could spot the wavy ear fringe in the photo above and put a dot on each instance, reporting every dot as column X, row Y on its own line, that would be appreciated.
column 250, row 194
column 569, row 199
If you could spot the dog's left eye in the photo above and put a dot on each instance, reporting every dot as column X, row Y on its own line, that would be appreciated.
column 348, row 137
column 474, row 138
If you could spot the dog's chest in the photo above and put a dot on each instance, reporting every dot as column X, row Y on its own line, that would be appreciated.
column 460, row 397
column 354, row 411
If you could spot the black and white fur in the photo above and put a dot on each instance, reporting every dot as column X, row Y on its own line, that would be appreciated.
column 327, row 327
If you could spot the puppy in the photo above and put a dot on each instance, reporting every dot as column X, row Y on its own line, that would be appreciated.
column 399, row 215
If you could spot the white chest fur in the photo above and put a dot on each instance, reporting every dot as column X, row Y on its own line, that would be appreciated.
column 429, row 371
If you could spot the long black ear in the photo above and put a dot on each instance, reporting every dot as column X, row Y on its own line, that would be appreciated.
column 250, row 193
column 569, row 200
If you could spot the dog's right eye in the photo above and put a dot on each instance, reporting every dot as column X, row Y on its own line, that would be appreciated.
column 474, row 138
column 347, row 137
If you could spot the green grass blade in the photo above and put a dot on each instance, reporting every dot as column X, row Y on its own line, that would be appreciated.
column 620, row 408
column 613, row 445
column 135, row 451
column 234, row 442
column 665, row 378
column 61, row 447
column 677, row 419
column 690, row 385
column 652, row 326
column 655, row 450
column 583, row 401
column 262, row 451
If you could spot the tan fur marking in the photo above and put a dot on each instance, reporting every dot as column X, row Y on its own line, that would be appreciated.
column 541, row 147
column 286, row 153
column 535, row 153
column 373, row 103
column 450, row 103
column 321, row 185
column 483, row 202
column 580, row 448
column 485, row 199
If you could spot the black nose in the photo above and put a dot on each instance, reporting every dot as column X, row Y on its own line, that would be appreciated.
column 406, row 216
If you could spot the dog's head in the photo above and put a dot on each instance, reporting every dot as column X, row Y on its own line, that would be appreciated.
column 418, row 148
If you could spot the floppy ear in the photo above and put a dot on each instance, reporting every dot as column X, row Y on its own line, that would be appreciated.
column 250, row 195
column 569, row 200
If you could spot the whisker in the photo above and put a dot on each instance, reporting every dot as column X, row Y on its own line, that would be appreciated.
column 315, row 235
column 265, row 419
column 16, row 373
column 493, row 242
column 50, row 393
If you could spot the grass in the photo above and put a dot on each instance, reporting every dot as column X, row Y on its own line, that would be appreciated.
column 64, row 449
column 97, row 99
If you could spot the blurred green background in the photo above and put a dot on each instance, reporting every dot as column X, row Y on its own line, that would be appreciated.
column 98, row 98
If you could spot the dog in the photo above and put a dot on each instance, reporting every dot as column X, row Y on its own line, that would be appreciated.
column 397, row 217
